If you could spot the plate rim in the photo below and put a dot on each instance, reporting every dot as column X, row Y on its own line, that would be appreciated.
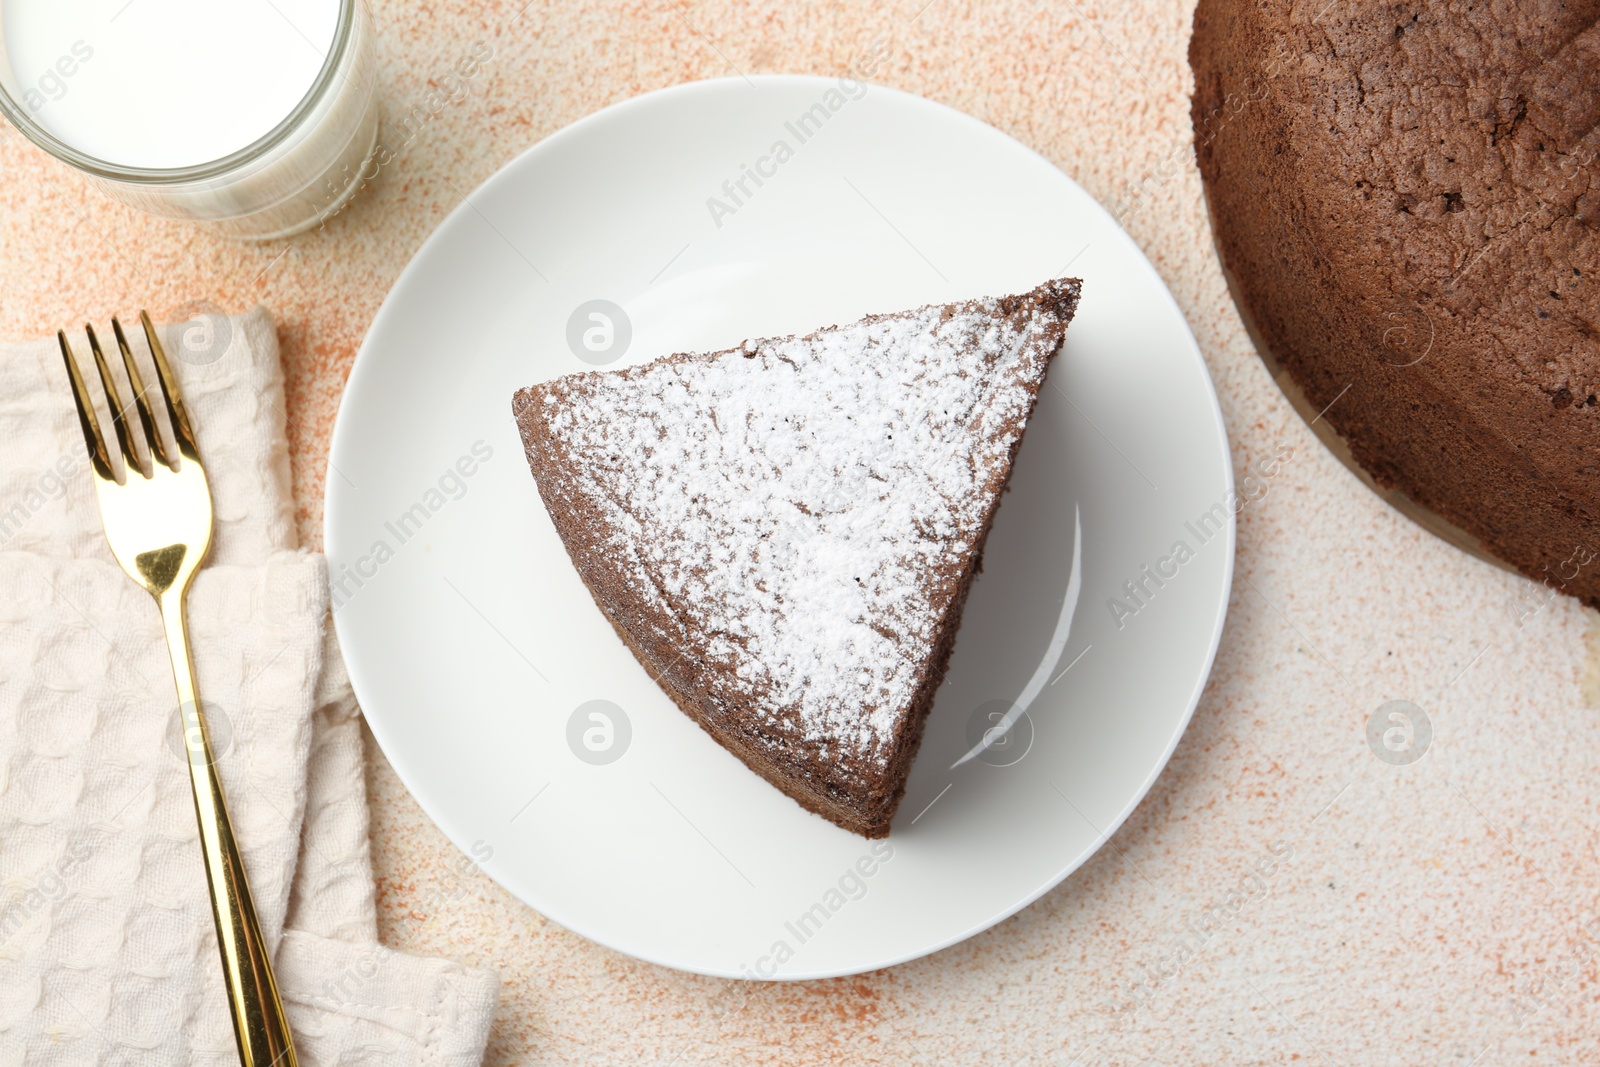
column 362, row 367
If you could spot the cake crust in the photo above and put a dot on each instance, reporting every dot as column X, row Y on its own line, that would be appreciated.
column 719, row 505
column 1405, row 206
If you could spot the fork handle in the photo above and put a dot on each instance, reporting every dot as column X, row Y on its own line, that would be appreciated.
column 259, row 1024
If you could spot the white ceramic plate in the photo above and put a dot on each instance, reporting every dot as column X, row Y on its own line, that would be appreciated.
column 473, row 644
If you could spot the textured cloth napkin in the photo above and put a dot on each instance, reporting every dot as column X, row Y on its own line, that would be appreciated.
column 108, row 953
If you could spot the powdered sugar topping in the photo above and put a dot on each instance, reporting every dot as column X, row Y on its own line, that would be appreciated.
column 806, row 505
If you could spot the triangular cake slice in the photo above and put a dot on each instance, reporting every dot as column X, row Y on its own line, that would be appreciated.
column 784, row 533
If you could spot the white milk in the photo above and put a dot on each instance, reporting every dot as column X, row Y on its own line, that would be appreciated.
column 164, row 83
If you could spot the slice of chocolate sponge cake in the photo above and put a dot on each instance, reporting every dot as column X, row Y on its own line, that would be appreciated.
column 784, row 533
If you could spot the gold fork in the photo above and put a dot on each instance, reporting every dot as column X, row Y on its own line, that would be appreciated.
column 158, row 522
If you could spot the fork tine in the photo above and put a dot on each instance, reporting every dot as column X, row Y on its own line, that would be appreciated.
column 93, row 439
column 114, row 401
column 182, row 432
column 158, row 449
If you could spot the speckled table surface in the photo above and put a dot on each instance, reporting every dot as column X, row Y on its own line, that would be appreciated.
column 1282, row 894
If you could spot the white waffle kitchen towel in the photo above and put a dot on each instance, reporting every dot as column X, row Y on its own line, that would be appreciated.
column 108, row 954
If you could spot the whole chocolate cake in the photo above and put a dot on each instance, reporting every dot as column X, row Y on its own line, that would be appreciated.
column 784, row 533
column 1407, row 204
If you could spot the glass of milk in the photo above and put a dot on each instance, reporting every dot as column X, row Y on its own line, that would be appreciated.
column 256, row 118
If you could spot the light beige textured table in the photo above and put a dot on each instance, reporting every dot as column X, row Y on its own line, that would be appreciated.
column 1441, row 912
